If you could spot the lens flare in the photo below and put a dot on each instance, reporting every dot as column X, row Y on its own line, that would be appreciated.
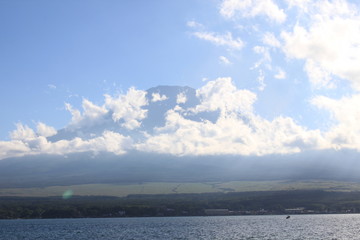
column 67, row 194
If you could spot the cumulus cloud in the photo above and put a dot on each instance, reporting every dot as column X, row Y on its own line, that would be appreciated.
column 252, row 8
column 91, row 114
column 125, row 109
column 225, row 40
column 128, row 108
column 44, row 130
column 329, row 42
column 75, row 114
column 22, row 132
column 14, row 148
column 319, row 77
column 109, row 141
column 31, row 144
column 324, row 35
column 237, row 131
column 221, row 94
column 156, row 97
column 345, row 112
column 181, row 98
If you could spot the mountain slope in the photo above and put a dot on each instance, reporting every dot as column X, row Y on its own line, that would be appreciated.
column 136, row 167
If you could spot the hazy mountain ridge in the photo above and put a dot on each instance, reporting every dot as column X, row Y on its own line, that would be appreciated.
column 134, row 166
column 137, row 167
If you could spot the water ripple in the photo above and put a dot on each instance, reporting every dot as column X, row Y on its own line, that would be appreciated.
column 231, row 227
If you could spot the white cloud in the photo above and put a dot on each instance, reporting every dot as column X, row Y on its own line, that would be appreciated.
column 318, row 77
column 270, row 40
column 231, row 134
column 14, row 148
column 225, row 60
column 30, row 144
column 109, row 142
column 115, row 142
column 238, row 129
column 22, row 132
column 334, row 8
column 264, row 51
column 261, row 80
column 301, row 4
column 75, row 114
column 91, row 114
column 265, row 59
column 44, row 130
column 252, row 8
column 326, row 38
column 128, row 108
column 194, row 24
column 221, row 94
column 329, row 42
column 125, row 109
column 181, row 98
column 156, row 97
column 345, row 112
column 226, row 40
column 281, row 74
column 92, row 111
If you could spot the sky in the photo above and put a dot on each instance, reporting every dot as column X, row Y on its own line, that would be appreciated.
column 283, row 74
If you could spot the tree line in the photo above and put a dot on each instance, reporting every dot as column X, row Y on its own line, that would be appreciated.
column 268, row 202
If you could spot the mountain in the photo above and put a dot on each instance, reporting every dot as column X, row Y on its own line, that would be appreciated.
column 155, row 109
column 134, row 166
column 137, row 167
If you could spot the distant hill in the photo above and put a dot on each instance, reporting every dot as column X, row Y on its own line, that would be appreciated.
column 141, row 167
column 137, row 167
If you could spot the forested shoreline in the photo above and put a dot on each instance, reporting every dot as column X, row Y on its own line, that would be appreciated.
column 241, row 203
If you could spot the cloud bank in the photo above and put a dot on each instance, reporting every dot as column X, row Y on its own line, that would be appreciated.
column 238, row 130
column 323, row 37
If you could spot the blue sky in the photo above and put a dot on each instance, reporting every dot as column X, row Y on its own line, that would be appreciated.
column 53, row 51
column 299, row 58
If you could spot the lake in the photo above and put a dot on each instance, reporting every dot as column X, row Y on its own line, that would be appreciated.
column 337, row 226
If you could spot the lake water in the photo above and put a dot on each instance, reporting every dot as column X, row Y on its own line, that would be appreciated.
column 229, row 227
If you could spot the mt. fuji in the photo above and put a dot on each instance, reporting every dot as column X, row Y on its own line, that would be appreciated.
column 172, row 134
column 160, row 100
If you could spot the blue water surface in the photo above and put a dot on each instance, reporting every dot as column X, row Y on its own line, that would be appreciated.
column 229, row 227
